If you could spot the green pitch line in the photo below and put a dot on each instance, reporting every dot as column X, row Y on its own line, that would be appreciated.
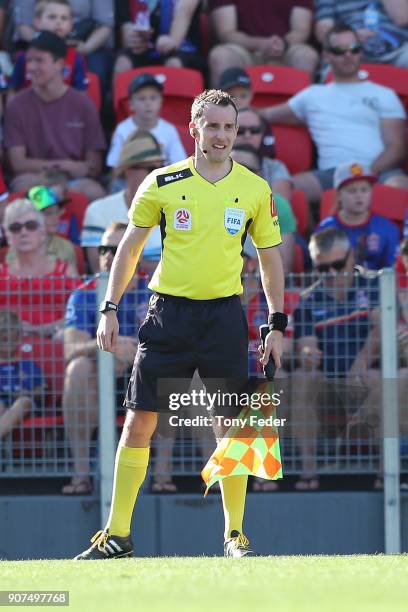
column 204, row 584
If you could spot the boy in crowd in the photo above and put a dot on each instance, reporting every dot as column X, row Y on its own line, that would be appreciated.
column 145, row 101
column 21, row 380
column 53, row 16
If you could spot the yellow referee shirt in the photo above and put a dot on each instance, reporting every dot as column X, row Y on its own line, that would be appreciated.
column 204, row 226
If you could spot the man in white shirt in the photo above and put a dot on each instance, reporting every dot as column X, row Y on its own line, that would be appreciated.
column 348, row 119
column 140, row 155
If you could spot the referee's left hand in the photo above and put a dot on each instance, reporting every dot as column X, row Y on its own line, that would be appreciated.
column 273, row 346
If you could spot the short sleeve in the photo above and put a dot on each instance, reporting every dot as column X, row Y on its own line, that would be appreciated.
column 175, row 151
column 325, row 9
column 103, row 12
column 80, row 311
column 300, row 102
column 390, row 106
column 93, row 227
column 264, row 229
column 146, row 207
column 14, row 132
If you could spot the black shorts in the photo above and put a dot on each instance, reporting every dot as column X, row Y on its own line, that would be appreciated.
column 180, row 335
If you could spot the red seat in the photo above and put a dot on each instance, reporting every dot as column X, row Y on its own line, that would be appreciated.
column 299, row 262
column 384, row 74
column 186, row 139
column 180, row 87
column 293, row 147
column 387, row 201
column 49, row 356
column 94, row 89
column 275, row 84
column 300, row 209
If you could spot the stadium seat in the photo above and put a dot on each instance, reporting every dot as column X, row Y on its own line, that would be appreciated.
column 299, row 263
column 180, row 87
column 188, row 142
column 384, row 74
column 94, row 89
column 387, row 201
column 300, row 209
column 275, row 84
column 49, row 356
column 293, row 147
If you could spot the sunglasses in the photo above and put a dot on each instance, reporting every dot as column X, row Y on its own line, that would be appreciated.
column 337, row 265
column 30, row 226
column 104, row 249
column 252, row 129
column 354, row 49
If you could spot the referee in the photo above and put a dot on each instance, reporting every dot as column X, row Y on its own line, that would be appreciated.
column 205, row 206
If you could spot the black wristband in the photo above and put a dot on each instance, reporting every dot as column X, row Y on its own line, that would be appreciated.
column 278, row 321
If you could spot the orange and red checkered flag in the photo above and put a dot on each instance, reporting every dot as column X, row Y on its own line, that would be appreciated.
column 249, row 450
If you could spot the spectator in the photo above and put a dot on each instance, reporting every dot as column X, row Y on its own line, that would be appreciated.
column 260, row 33
column 402, row 283
column 140, row 154
column 336, row 344
column 57, row 180
column 250, row 132
column 45, row 201
column 91, row 36
column 348, row 119
column 374, row 238
column 53, row 16
column 52, row 124
column 381, row 26
column 167, row 34
column 80, row 399
column 34, row 284
column 21, row 380
column 237, row 83
column 248, row 156
column 4, row 198
column 145, row 102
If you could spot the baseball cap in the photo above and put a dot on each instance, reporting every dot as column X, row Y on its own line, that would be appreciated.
column 42, row 197
column 48, row 41
column 144, row 80
column 140, row 148
column 347, row 173
column 233, row 77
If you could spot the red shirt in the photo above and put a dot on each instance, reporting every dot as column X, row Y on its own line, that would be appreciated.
column 263, row 17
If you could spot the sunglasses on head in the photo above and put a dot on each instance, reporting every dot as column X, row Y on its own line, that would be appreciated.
column 104, row 249
column 31, row 226
column 252, row 129
column 354, row 49
column 337, row 265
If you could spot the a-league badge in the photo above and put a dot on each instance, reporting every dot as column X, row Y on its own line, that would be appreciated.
column 182, row 219
column 233, row 220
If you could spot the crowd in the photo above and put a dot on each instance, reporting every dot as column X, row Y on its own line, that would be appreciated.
column 69, row 170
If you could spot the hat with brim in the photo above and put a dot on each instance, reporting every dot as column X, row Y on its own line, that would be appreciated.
column 42, row 197
column 348, row 173
column 140, row 149
column 234, row 77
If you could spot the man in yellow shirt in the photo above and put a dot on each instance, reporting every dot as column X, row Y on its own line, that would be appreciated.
column 205, row 206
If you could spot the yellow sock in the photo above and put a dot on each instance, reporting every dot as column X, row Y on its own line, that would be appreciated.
column 233, row 491
column 130, row 471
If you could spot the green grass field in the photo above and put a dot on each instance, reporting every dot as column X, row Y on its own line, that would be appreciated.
column 210, row 583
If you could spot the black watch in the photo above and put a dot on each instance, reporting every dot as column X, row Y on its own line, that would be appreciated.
column 106, row 306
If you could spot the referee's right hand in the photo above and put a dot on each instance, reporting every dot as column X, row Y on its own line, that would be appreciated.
column 108, row 331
